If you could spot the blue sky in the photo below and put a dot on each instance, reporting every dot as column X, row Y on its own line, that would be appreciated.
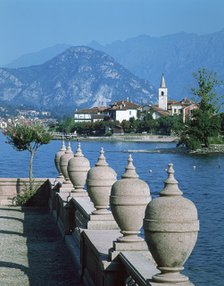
column 30, row 25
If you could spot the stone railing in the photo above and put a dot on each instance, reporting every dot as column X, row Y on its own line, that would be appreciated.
column 101, row 226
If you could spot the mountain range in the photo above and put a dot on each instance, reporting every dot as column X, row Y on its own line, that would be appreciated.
column 62, row 78
column 177, row 56
column 79, row 77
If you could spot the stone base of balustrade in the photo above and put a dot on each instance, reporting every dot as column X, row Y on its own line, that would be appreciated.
column 60, row 180
column 141, row 268
column 85, row 220
column 76, row 194
column 127, row 246
column 139, row 265
column 63, row 198
column 84, row 207
column 102, row 222
column 66, row 188
column 96, row 267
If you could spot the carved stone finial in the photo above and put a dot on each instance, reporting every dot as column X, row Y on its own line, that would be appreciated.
column 69, row 147
column 63, row 147
column 130, row 169
column 101, row 160
column 171, row 184
column 79, row 151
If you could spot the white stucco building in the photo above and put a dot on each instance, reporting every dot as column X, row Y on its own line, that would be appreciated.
column 123, row 110
column 91, row 114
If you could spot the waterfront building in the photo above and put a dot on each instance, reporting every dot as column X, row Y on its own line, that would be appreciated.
column 123, row 110
column 118, row 111
column 91, row 115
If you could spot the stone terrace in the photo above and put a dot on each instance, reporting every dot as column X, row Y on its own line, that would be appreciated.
column 32, row 250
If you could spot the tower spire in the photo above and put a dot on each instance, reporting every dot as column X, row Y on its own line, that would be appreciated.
column 163, row 94
column 163, row 84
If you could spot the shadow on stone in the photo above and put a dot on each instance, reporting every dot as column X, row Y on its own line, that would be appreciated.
column 14, row 266
column 49, row 260
column 41, row 196
column 14, row 218
column 10, row 232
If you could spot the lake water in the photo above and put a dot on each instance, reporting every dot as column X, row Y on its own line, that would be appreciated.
column 203, row 184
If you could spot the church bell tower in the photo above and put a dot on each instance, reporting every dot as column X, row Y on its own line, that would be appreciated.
column 163, row 93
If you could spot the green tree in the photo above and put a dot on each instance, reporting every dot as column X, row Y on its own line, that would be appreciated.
column 170, row 124
column 27, row 135
column 206, row 121
column 126, row 125
column 67, row 125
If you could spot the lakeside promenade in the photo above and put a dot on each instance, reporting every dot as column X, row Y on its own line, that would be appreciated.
column 32, row 250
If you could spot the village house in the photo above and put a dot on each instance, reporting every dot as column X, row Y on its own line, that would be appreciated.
column 123, row 110
column 91, row 115
column 118, row 111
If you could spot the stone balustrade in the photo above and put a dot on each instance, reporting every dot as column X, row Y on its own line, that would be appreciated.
column 101, row 224
column 105, row 246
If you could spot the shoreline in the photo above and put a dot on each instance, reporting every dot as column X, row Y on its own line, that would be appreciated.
column 142, row 138
column 124, row 138
column 212, row 149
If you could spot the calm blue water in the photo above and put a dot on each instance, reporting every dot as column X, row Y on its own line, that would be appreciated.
column 203, row 185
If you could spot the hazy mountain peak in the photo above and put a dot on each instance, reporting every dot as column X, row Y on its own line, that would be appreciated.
column 79, row 77
column 37, row 58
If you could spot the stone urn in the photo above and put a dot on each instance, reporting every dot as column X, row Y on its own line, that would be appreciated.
column 64, row 163
column 128, row 200
column 99, row 181
column 57, row 160
column 171, row 227
column 78, row 167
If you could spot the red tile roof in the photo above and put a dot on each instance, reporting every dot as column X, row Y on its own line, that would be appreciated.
column 123, row 105
column 94, row 110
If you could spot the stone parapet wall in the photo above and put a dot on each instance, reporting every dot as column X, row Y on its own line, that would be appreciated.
column 11, row 187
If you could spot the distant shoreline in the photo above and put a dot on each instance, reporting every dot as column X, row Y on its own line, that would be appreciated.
column 124, row 138
column 138, row 138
